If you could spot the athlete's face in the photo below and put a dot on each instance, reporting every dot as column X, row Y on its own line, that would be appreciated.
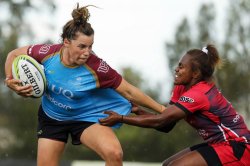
column 183, row 72
column 78, row 50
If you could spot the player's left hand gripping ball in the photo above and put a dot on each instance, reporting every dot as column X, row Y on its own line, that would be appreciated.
column 29, row 71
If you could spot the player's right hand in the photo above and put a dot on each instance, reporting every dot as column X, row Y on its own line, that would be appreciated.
column 16, row 85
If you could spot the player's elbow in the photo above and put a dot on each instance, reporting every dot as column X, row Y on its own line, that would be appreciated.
column 158, row 122
column 164, row 121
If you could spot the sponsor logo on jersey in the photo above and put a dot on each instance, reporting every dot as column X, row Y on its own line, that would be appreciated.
column 186, row 99
column 44, row 49
column 58, row 104
column 60, row 91
column 103, row 67
column 237, row 118
column 203, row 133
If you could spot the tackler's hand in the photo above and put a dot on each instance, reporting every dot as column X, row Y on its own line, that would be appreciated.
column 112, row 119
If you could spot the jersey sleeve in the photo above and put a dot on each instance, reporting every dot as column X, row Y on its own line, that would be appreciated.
column 176, row 93
column 40, row 51
column 107, row 76
column 192, row 101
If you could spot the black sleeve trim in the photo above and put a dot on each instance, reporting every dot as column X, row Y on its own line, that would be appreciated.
column 182, row 108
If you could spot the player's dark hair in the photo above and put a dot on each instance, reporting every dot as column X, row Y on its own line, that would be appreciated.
column 205, row 60
column 79, row 23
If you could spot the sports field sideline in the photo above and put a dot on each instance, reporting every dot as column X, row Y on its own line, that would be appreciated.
column 100, row 163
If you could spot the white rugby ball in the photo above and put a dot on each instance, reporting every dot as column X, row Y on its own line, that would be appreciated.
column 29, row 71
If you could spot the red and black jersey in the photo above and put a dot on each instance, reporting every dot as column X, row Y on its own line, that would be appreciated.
column 209, row 112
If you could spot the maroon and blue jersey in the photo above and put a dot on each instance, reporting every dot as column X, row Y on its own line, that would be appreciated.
column 209, row 112
column 80, row 93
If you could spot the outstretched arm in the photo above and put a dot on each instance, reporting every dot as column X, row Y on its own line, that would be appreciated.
column 168, row 117
column 138, row 111
column 136, row 96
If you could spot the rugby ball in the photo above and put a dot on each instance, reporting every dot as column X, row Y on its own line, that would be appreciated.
column 29, row 71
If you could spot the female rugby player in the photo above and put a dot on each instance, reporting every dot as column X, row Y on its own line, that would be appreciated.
column 80, row 86
column 196, row 99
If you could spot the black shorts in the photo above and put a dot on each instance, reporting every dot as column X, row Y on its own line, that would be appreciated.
column 208, row 153
column 60, row 130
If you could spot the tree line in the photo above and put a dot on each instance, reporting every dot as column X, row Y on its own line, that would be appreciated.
column 18, row 116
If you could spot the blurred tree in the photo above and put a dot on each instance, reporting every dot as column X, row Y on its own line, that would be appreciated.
column 17, row 115
column 182, row 42
column 187, row 37
column 205, row 25
column 234, row 78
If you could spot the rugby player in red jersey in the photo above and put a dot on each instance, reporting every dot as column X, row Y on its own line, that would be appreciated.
column 196, row 99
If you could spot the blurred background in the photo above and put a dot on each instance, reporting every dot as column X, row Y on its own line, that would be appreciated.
column 142, row 40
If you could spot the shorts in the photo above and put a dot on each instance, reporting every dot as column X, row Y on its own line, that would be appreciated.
column 60, row 130
column 230, row 153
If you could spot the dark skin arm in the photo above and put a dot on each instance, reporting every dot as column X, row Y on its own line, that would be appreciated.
column 170, row 115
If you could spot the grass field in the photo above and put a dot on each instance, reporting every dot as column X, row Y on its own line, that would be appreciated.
column 100, row 163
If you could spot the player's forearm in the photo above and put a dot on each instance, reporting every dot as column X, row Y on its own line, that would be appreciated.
column 8, row 65
column 136, row 96
column 146, row 121
column 11, row 56
column 142, row 99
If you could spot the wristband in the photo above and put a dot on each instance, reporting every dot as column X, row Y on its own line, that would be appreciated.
column 122, row 118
